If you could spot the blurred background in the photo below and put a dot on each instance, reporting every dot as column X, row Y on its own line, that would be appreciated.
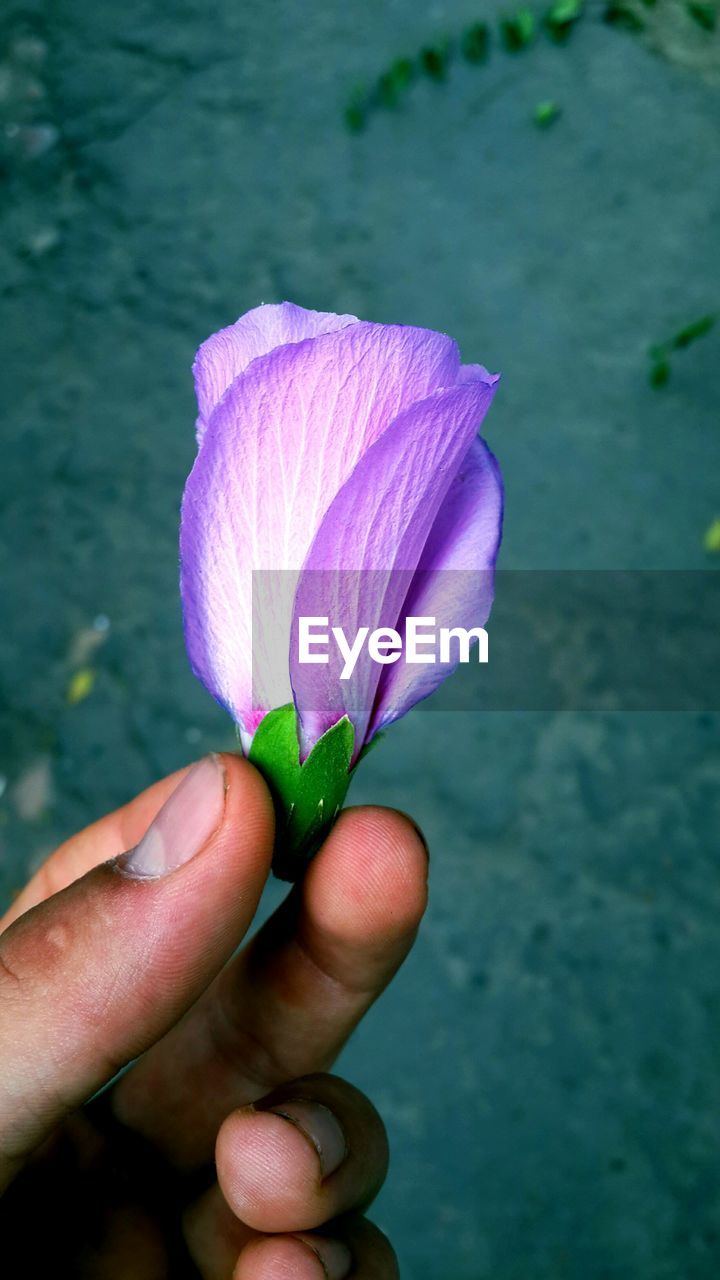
column 547, row 190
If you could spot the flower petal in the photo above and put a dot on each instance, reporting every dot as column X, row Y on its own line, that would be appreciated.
column 280, row 444
column 455, row 579
column 370, row 543
column 228, row 352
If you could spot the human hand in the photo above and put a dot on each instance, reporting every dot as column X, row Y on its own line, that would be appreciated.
column 223, row 1152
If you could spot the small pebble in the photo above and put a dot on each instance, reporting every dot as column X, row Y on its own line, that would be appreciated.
column 42, row 241
column 33, row 789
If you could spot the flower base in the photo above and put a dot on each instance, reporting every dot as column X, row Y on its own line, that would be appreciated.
column 308, row 796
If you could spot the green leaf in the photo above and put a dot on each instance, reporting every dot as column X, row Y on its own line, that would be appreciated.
column 562, row 16
column 434, row 60
column 563, row 11
column 387, row 92
column 660, row 373
column 545, row 114
column 618, row 14
column 517, row 30
column 475, row 42
column 370, row 746
column 309, row 796
column 704, row 14
column 356, row 110
column 402, row 72
column 692, row 332
column 395, row 81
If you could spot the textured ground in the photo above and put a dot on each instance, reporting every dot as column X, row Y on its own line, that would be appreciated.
column 549, row 1061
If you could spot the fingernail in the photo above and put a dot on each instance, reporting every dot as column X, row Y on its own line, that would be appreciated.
column 318, row 1124
column 182, row 827
column 334, row 1255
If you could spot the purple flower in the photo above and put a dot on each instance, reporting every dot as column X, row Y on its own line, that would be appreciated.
column 327, row 443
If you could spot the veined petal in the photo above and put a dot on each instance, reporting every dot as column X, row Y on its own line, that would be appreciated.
column 363, row 559
column 469, row 373
column 227, row 353
column 455, row 579
column 282, row 441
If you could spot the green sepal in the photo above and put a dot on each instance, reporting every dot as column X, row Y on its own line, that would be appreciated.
column 309, row 796
column 370, row 746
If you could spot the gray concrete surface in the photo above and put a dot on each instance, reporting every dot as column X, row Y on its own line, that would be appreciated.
column 549, row 1060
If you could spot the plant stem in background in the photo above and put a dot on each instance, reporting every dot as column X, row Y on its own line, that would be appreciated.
column 660, row 352
column 517, row 31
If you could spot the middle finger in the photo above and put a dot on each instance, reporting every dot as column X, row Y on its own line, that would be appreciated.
column 285, row 1006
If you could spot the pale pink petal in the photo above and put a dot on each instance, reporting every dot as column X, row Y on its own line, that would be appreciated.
column 455, row 579
column 371, row 541
column 279, row 446
column 228, row 352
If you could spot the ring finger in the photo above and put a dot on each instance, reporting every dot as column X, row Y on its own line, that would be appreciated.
column 306, row 1154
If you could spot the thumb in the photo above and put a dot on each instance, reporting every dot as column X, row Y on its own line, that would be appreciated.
column 93, row 976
